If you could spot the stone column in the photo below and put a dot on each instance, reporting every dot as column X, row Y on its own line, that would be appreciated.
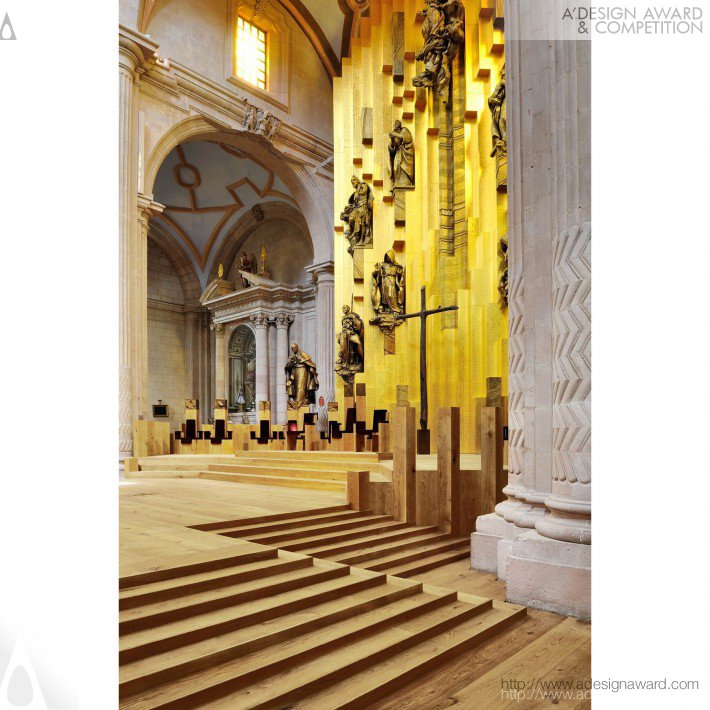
column 550, row 566
column 283, row 321
column 134, row 52
column 260, row 323
column 192, row 355
column 322, row 274
column 218, row 362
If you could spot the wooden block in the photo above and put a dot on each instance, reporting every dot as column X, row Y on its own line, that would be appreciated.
column 398, row 46
column 358, row 490
column 397, row 100
column 381, row 497
column 407, row 115
column 409, row 56
column 311, row 438
column 402, row 395
column 360, row 402
column 357, row 162
column 378, row 183
column 427, row 498
column 493, row 477
column 434, row 132
column 404, row 464
column 367, row 176
column 339, row 228
column 358, row 265
column 494, row 391
column 398, row 245
column 409, row 93
column 367, row 125
column 387, row 69
column 400, row 201
column 388, row 199
column 470, row 115
column 497, row 48
column 421, row 98
column 348, row 442
column 449, row 469
column 130, row 465
column 423, row 441
column 384, row 440
column 483, row 73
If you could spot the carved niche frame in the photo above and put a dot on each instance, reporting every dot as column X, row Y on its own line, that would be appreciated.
column 272, row 21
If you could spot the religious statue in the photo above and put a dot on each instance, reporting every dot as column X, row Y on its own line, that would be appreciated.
column 387, row 291
column 358, row 215
column 443, row 32
column 301, row 379
column 259, row 122
column 351, row 346
column 247, row 263
column 401, row 150
column 503, row 269
column 499, row 133
column 264, row 267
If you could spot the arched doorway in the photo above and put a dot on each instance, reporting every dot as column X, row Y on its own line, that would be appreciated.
column 242, row 370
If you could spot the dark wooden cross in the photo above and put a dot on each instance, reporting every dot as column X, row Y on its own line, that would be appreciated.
column 423, row 445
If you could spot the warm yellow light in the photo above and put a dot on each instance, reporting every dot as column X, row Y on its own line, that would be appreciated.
column 251, row 53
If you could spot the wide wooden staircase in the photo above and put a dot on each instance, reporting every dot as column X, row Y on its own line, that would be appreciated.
column 261, row 627
column 351, row 537
column 324, row 471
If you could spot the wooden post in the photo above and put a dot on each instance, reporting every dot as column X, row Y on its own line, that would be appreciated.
column 130, row 465
column 449, row 468
column 493, row 479
column 360, row 402
column 404, row 464
column 358, row 487
column 385, row 440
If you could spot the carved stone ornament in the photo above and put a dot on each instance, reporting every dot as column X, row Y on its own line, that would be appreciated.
column 351, row 346
column 387, row 291
column 443, row 32
column 259, row 122
column 357, row 215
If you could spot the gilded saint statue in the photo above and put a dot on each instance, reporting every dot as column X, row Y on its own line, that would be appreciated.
column 387, row 292
column 358, row 215
column 301, row 379
column 263, row 262
column 401, row 150
column 247, row 264
column 499, row 132
column 351, row 344
column 443, row 32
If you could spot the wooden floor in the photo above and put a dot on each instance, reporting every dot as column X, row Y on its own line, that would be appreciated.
column 154, row 518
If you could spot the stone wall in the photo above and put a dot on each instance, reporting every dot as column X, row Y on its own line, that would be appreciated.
column 166, row 336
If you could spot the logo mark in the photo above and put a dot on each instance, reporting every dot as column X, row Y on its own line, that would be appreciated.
column 6, row 29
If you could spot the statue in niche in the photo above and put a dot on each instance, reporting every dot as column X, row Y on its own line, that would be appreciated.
column 401, row 150
column 443, row 32
column 499, row 132
column 247, row 263
column 301, row 379
column 358, row 215
column 503, row 269
column 351, row 346
column 259, row 122
column 387, row 291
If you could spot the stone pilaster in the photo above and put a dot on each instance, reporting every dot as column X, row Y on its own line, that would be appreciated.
column 219, row 357
column 260, row 323
column 324, row 279
column 134, row 52
column 283, row 321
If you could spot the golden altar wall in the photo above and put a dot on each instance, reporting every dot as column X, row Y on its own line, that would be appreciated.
column 447, row 233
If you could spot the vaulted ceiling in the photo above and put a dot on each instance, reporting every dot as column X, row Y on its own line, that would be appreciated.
column 328, row 24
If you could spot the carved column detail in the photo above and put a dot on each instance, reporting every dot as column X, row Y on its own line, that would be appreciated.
column 570, row 503
column 283, row 321
column 260, row 323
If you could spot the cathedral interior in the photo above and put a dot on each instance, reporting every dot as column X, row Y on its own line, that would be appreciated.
column 354, row 353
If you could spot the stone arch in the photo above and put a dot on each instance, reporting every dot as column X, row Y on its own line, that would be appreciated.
column 189, row 279
column 240, row 232
column 298, row 178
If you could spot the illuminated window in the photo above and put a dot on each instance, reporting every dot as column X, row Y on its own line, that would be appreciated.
column 251, row 53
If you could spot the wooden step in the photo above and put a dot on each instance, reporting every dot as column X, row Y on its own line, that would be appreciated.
column 398, row 532
column 312, row 463
column 263, row 480
column 267, row 468
column 300, row 681
column 445, row 558
column 424, row 553
column 365, row 553
column 166, row 612
column 380, row 530
column 221, row 678
column 365, row 688
column 164, row 667
column 180, row 633
column 204, row 581
column 297, row 522
column 163, row 473
column 318, row 455
column 241, row 522
column 326, row 529
column 220, row 559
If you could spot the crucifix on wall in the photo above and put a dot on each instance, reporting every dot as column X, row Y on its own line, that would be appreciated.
column 423, row 435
